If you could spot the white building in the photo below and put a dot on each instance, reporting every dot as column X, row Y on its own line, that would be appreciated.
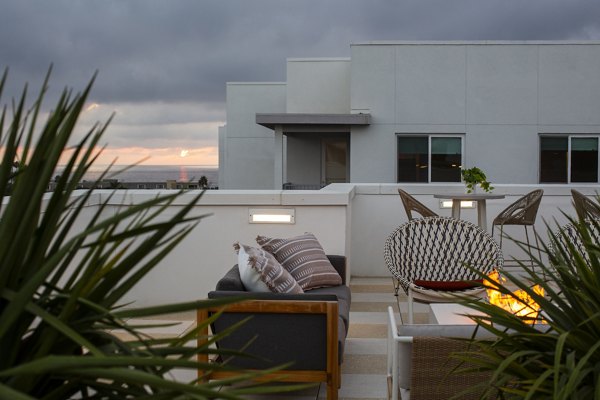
column 524, row 112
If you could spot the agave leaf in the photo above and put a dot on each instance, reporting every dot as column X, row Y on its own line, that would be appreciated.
column 64, row 272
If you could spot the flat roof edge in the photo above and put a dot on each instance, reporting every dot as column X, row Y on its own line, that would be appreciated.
column 317, row 59
column 255, row 83
column 475, row 42
column 271, row 120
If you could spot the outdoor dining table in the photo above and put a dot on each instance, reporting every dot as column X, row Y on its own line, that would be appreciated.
column 480, row 198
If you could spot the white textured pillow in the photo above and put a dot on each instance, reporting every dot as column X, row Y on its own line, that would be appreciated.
column 250, row 276
column 269, row 271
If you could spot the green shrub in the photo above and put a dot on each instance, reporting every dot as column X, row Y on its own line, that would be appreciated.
column 560, row 359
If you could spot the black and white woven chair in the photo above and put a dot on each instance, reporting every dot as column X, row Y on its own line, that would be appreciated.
column 568, row 235
column 430, row 258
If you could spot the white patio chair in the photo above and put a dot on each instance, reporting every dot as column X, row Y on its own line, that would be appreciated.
column 419, row 362
column 431, row 259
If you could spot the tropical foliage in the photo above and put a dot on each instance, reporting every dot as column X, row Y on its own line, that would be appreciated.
column 556, row 354
column 65, row 268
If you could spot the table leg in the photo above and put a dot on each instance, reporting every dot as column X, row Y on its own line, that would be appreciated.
column 481, row 214
column 456, row 208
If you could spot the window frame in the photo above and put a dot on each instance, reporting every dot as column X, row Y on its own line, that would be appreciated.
column 569, row 137
column 430, row 136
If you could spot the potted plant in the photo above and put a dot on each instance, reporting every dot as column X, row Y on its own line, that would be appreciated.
column 475, row 176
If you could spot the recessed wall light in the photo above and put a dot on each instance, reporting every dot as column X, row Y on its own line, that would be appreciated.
column 271, row 216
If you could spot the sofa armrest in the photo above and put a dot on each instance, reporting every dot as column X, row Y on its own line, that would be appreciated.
column 302, row 332
column 217, row 294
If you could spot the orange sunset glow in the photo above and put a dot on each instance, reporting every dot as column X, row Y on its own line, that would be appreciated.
column 207, row 156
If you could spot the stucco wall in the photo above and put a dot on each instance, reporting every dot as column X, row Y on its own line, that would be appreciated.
column 249, row 158
column 349, row 219
column 499, row 95
column 318, row 85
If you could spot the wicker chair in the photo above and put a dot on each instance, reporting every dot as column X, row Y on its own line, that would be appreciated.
column 568, row 235
column 411, row 204
column 584, row 206
column 522, row 212
column 419, row 363
column 429, row 259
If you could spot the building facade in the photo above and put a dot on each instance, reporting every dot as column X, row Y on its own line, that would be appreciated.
column 416, row 112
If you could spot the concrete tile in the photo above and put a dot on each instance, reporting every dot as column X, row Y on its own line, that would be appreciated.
column 371, row 306
column 372, row 288
column 373, row 297
column 368, row 317
column 364, row 364
column 360, row 386
column 367, row 331
column 365, row 346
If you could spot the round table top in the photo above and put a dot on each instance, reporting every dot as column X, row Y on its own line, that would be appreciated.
column 469, row 196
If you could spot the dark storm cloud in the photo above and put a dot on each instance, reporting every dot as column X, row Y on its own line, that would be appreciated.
column 181, row 50
column 163, row 64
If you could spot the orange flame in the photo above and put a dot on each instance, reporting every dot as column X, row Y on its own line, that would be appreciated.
column 523, row 305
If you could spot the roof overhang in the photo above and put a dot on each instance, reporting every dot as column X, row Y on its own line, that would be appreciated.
column 292, row 122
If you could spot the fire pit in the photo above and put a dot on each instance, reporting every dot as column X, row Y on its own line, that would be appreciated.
column 519, row 303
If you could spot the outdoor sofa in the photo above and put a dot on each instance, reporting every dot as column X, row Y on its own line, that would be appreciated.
column 307, row 330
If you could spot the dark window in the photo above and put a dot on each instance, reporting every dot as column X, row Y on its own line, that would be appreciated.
column 417, row 153
column 584, row 159
column 559, row 155
column 446, row 159
column 413, row 158
column 554, row 159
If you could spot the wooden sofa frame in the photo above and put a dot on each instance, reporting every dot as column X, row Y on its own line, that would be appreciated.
column 331, row 375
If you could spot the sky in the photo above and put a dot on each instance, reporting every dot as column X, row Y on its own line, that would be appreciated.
column 162, row 65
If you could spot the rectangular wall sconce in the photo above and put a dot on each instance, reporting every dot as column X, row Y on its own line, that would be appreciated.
column 463, row 204
column 272, row 215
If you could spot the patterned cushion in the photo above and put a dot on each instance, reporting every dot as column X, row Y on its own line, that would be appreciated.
column 304, row 258
column 276, row 278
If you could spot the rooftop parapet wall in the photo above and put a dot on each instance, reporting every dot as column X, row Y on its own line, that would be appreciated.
column 348, row 219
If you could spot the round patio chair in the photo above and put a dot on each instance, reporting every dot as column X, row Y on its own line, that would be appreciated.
column 411, row 204
column 431, row 259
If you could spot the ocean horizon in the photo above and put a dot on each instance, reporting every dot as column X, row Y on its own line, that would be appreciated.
column 153, row 173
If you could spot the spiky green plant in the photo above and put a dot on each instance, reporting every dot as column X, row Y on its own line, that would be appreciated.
column 65, row 267
column 561, row 358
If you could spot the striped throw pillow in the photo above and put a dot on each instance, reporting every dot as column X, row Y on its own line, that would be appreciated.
column 276, row 278
column 304, row 258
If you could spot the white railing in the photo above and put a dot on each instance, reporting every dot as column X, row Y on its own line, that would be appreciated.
column 349, row 219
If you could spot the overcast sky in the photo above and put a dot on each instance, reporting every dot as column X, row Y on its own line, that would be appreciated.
column 163, row 65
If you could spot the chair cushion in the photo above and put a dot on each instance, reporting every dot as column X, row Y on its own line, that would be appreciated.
column 304, row 258
column 444, row 296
